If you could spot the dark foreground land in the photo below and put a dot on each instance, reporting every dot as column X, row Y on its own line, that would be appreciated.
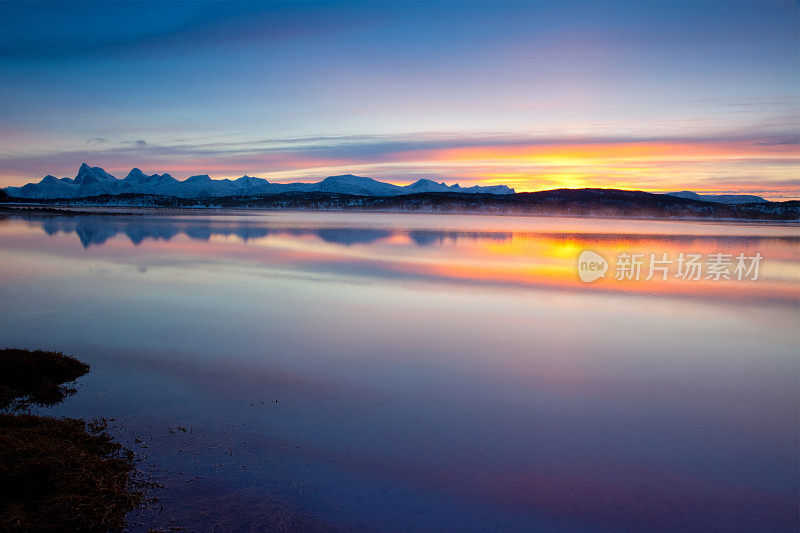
column 564, row 202
column 57, row 474
column 70, row 475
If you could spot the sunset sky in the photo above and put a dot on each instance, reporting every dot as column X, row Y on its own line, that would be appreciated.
column 654, row 96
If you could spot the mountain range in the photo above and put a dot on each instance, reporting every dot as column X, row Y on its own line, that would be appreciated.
column 94, row 181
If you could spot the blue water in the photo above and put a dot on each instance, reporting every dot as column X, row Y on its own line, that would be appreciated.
column 418, row 372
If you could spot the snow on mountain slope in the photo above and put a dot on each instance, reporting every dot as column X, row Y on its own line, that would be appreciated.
column 424, row 185
column 349, row 184
column 94, row 181
column 720, row 198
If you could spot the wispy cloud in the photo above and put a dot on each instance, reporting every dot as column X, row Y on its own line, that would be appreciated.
column 528, row 163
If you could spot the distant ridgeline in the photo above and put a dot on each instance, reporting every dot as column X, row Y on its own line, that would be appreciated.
column 94, row 186
column 94, row 181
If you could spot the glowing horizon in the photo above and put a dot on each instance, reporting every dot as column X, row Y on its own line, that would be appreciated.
column 653, row 166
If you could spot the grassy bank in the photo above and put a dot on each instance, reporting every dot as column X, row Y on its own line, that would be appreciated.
column 57, row 474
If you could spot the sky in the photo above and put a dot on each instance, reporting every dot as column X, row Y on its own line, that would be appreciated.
column 655, row 96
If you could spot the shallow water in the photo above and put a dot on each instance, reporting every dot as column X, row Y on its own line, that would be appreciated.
column 425, row 372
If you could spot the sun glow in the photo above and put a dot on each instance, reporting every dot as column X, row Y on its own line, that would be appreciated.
column 649, row 166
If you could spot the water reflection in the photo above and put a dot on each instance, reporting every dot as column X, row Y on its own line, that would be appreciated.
column 427, row 372
column 95, row 230
column 541, row 255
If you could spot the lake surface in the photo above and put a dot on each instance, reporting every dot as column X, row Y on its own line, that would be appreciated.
column 416, row 372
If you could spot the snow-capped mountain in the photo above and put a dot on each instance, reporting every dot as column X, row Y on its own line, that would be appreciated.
column 94, row 181
column 720, row 198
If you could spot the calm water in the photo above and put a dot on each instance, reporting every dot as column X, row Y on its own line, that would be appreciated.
column 424, row 372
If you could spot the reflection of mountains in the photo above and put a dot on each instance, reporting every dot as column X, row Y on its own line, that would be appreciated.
column 96, row 230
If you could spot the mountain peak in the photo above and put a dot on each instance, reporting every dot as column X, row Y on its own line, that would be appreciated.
column 87, row 174
column 250, row 180
column 347, row 177
column 198, row 178
column 94, row 181
column 426, row 185
column 719, row 198
column 135, row 174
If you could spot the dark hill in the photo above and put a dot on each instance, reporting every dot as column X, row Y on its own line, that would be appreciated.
column 569, row 202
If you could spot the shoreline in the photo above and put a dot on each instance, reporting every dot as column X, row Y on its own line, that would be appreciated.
column 59, row 473
column 44, row 210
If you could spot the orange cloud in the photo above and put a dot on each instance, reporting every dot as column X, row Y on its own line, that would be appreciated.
column 762, row 167
column 652, row 166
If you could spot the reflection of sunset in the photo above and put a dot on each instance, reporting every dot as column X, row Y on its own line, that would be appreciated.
column 536, row 260
column 352, row 266
column 494, row 303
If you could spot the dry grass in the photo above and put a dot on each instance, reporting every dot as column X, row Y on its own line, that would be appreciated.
column 62, row 475
column 36, row 377
column 57, row 474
